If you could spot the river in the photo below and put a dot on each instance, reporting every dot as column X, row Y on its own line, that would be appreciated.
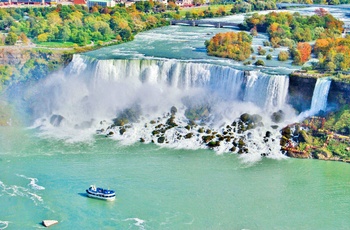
column 49, row 161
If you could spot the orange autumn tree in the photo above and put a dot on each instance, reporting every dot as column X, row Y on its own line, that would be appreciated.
column 322, row 45
column 236, row 46
column 304, row 52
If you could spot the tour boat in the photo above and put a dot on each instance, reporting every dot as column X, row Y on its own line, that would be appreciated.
column 100, row 193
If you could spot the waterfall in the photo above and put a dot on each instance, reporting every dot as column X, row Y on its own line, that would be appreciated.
column 320, row 95
column 267, row 92
column 90, row 93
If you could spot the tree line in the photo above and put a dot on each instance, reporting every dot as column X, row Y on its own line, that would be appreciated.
column 75, row 23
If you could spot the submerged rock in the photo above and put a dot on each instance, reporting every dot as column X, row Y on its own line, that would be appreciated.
column 171, row 121
column 122, row 131
column 161, row 140
column 173, row 110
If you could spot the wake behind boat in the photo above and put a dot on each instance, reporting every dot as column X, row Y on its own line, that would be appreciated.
column 100, row 193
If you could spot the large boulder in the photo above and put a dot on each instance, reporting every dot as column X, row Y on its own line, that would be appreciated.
column 278, row 116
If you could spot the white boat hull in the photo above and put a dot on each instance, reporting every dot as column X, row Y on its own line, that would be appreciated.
column 101, row 197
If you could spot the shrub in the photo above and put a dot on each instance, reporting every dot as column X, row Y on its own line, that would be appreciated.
column 266, row 43
column 268, row 57
column 261, row 51
column 283, row 56
column 259, row 63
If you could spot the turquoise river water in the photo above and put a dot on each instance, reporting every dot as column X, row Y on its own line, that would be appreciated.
column 161, row 188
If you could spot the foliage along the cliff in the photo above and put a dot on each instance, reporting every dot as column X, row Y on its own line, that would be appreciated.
column 326, row 138
column 232, row 45
column 21, row 64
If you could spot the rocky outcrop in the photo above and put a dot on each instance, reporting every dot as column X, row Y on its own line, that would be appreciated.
column 170, row 129
column 19, row 56
column 314, row 139
column 13, row 56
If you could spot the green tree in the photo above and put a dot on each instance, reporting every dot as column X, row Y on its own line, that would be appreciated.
column 297, row 60
column 330, row 66
column 5, row 73
column 65, row 33
column 125, row 34
column 11, row 38
column 43, row 37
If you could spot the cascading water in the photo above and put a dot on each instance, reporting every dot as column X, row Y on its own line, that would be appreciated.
column 91, row 92
column 268, row 92
column 320, row 95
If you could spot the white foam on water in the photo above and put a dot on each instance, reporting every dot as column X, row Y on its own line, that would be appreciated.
column 16, row 190
column 137, row 222
column 4, row 224
column 33, row 182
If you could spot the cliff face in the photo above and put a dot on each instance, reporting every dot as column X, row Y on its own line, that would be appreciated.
column 12, row 56
column 339, row 93
column 19, row 56
column 22, row 63
column 300, row 92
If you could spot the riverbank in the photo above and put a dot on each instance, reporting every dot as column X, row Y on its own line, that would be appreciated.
column 324, row 138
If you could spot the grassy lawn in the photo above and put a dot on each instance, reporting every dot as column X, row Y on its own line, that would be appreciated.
column 56, row 44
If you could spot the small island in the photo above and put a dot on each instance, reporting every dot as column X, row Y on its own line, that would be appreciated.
column 236, row 46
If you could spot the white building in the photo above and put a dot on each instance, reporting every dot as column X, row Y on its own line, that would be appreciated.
column 184, row 2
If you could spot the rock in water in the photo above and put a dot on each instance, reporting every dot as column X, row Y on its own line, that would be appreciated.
column 56, row 120
column 48, row 223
